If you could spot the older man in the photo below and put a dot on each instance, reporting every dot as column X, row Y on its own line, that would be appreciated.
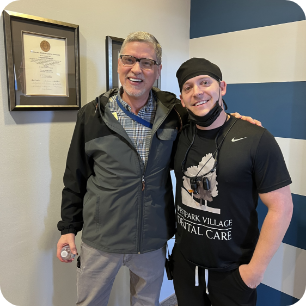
column 222, row 165
column 117, row 181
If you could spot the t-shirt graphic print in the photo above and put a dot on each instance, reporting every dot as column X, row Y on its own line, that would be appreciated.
column 203, row 195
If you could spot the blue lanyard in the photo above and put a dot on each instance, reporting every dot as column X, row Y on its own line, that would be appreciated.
column 133, row 116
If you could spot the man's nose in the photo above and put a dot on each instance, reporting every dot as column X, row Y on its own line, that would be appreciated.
column 136, row 68
column 197, row 91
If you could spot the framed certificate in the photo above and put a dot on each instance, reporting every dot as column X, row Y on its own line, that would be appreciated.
column 42, row 57
column 113, row 46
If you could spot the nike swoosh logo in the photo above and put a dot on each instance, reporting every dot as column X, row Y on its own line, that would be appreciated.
column 233, row 140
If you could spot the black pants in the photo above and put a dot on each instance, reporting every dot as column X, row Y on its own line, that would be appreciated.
column 224, row 288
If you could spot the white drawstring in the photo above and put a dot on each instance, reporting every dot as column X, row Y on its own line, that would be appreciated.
column 196, row 276
column 206, row 280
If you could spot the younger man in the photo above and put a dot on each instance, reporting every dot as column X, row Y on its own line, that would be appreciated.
column 221, row 165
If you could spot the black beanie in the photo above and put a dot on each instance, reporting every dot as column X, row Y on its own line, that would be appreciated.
column 197, row 66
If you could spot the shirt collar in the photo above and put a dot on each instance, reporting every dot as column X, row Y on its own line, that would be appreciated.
column 149, row 104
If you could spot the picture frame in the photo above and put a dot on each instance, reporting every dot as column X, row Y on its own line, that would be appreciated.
column 42, row 61
column 113, row 46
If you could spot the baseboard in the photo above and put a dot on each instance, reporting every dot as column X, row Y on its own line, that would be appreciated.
column 169, row 301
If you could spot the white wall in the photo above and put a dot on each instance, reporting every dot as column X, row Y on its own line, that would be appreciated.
column 34, row 145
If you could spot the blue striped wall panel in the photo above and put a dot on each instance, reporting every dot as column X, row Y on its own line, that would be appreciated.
column 267, row 296
column 279, row 104
column 281, row 107
column 295, row 234
column 222, row 16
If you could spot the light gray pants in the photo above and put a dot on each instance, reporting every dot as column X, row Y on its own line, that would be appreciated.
column 98, row 270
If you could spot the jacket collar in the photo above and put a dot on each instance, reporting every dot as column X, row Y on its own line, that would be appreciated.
column 168, row 99
column 105, row 97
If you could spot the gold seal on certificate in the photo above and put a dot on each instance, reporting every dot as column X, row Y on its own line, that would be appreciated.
column 45, row 46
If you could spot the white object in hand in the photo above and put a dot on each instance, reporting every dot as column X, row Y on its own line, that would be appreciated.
column 66, row 253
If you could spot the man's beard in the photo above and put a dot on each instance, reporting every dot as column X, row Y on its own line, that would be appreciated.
column 131, row 93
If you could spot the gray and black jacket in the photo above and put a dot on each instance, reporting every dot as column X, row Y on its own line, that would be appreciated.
column 104, row 179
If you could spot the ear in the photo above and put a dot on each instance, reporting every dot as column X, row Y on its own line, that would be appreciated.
column 182, row 101
column 159, row 68
column 223, row 86
column 119, row 62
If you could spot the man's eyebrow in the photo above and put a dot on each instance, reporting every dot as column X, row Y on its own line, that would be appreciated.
column 207, row 77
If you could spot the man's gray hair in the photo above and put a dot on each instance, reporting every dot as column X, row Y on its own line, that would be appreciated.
column 146, row 38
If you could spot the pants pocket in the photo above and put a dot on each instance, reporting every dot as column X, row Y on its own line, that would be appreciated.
column 236, row 275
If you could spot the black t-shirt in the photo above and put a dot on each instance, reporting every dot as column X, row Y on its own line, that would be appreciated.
column 218, row 229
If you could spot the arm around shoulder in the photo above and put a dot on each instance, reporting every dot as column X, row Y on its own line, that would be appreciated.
column 247, row 118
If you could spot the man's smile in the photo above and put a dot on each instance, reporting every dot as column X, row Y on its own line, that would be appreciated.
column 135, row 80
column 201, row 102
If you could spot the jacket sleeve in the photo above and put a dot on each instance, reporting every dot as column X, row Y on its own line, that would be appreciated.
column 78, row 169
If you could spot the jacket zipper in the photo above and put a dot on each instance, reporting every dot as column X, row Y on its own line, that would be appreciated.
column 143, row 182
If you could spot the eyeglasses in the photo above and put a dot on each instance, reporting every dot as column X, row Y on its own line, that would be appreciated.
column 145, row 63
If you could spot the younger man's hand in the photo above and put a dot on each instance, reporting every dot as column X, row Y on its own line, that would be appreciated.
column 251, row 278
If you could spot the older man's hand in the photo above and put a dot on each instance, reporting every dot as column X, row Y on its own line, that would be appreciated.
column 67, row 239
column 247, row 118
